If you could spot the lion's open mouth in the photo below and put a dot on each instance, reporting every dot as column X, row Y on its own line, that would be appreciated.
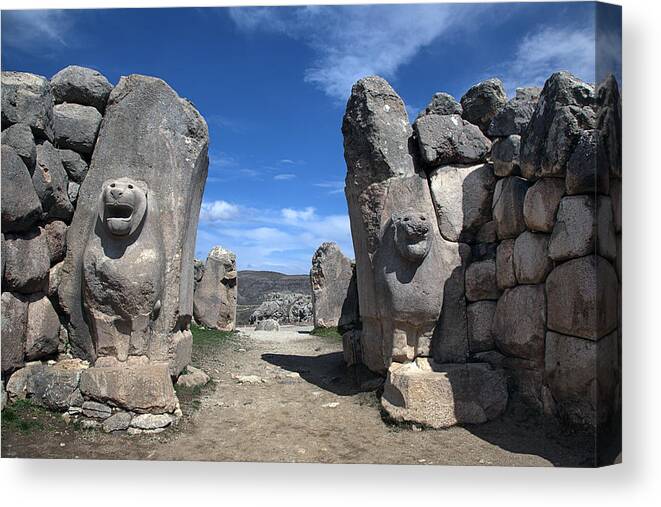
column 119, row 210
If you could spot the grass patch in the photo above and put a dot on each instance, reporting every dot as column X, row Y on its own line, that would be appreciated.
column 326, row 332
column 23, row 416
column 204, row 337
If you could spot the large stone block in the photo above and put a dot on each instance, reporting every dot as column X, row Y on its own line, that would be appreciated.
column 462, row 197
column 564, row 110
column 443, row 395
column 43, row 328
column 582, row 298
column 75, row 127
column 531, row 260
column 514, row 116
column 587, row 168
column 330, row 278
column 480, row 318
column 505, row 156
column 519, row 322
column 19, row 137
column 443, row 104
column 14, row 323
column 80, row 85
column 27, row 261
column 609, row 124
column 152, row 136
column 56, row 238
column 51, row 183
column 448, row 139
column 616, row 201
column 27, row 98
column 21, row 206
column 143, row 389
column 581, row 376
column 481, row 281
column 482, row 102
column 74, row 165
column 507, row 208
column 214, row 302
column 541, row 204
column 505, row 275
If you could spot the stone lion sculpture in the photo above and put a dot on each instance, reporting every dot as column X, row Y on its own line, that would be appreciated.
column 409, row 284
column 123, row 269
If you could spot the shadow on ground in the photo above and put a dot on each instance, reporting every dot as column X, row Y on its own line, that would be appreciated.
column 328, row 372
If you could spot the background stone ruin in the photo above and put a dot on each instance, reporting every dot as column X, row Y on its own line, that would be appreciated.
column 214, row 301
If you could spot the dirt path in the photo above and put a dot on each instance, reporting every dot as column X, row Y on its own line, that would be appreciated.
column 287, row 397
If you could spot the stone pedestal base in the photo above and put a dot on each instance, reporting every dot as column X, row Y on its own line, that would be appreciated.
column 443, row 395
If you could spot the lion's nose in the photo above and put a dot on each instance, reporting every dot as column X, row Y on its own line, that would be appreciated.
column 116, row 193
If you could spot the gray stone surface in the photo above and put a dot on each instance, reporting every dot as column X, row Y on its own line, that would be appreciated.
column 27, row 262
column 214, row 302
column 267, row 325
column 75, row 127
column 606, row 239
column 51, row 386
column 19, row 137
column 284, row 307
column 74, row 165
column 81, row 85
column 505, row 275
column 14, row 322
column 563, row 111
column 150, row 135
column 541, row 204
column 151, row 421
column 582, row 298
column 587, row 169
column 609, row 124
column 507, row 209
column 21, row 206
column 519, row 322
column 51, row 183
column 575, row 228
column 119, row 421
column 448, row 139
column 462, row 198
column 192, row 377
column 443, row 104
column 531, row 260
column 616, row 201
column 443, row 395
column 96, row 410
column 481, row 281
column 42, row 330
column 27, row 98
column 505, row 155
column 72, row 191
column 582, row 377
column 56, row 238
column 480, row 318
column 331, row 280
column 514, row 116
column 482, row 101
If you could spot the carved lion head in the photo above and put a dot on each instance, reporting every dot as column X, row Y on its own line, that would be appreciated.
column 412, row 239
column 122, row 205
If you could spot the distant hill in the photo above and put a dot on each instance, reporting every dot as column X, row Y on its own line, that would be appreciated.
column 254, row 285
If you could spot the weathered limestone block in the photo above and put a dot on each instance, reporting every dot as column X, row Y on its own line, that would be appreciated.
column 449, row 139
column 198, row 271
column 27, row 98
column 606, row 238
column 152, row 136
column 140, row 388
column 481, row 281
column 56, row 238
column 42, row 330
column 609, row 124
column 564, row 110
column 193, row 377
column 21, row 206
column 462, row 197
column 505, row 275
column 587, row 168
column 442, row 104
column 507, row 209
column 80, row 85
column 20, row 138
column 214, row 303
column 581, row 376
column 96, row 410
column 75, row 127
column 151, row 421
column 480, row 317
column 443, row 395
column 284, row 307
column 267, row 325
column 14, row 323
column 74, row 165
column 482, row 101
column 72, row 191
column 330, row 278
column 531, row 260
column 487, row 233
column 518, row 324
column 582, row 298
column 505, row 156
column 514, row 116
column 180, row 351
column 27, row 262
column 541, row 204
column 616, row 201
column 51, row 183
column 119, row 421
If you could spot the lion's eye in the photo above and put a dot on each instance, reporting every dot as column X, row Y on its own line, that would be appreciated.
column 130, row 186
column 423, row 218
column 406, row 219
column 112, row 185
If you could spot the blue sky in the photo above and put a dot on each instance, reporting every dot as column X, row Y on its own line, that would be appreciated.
column 272, row 83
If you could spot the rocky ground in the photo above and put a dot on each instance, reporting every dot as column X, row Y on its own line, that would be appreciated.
column 287, row 397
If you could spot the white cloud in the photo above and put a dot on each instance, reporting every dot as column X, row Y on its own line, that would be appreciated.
column 37, row 30
column 294, row 217
column 356, row 41
column 215, row 211
column 284, row 177
column 334, row 187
